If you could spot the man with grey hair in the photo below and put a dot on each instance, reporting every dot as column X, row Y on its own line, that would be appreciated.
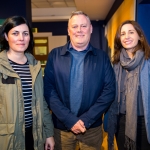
column 79, row 86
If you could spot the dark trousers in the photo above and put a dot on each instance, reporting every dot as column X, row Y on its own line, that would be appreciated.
column 29, row 143
column 141, row 141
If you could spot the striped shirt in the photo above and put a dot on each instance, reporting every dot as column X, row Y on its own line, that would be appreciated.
column 26, row 80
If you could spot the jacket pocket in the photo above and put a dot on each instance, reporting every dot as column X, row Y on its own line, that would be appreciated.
column 8, row 103
column 8, row 80
column 6, row 129
column 7, row 136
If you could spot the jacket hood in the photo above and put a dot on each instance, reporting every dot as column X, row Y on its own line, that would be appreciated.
column 31, row 59
column 5, row 67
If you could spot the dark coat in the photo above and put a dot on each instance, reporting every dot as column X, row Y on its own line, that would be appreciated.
column 98, row 87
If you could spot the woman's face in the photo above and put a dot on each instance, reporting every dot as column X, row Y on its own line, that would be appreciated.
column 18, row 38
column 129, row 37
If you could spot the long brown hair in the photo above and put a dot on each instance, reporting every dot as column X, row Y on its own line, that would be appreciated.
column 142, row 43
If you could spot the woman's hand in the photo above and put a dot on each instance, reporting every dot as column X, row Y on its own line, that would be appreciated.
column 49, row 144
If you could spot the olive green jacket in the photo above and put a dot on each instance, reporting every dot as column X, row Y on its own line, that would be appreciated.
column 12, row 122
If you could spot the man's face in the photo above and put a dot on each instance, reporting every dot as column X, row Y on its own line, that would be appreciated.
column 79, row 30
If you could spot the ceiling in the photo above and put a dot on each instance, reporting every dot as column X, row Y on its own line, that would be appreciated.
column 60, row 10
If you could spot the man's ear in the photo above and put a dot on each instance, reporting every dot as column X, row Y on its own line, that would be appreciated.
column 91, row 28
column 6, row 36
column 68, row 32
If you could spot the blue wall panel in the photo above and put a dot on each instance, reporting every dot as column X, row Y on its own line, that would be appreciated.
column 143, row 18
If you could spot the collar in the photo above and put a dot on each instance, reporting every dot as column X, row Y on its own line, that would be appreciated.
column 71, row 47
column 65, row 49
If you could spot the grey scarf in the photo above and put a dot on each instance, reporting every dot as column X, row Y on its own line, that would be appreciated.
column 132, row 85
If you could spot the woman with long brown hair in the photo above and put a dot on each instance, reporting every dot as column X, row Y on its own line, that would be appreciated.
column 129, row 115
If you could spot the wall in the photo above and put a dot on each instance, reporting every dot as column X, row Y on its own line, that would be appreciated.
column 143, row 18
column 15, row 7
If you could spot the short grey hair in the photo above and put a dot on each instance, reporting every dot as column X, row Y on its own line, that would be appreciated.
column 74, row 13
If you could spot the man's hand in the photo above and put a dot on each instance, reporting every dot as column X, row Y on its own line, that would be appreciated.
column 49, row 145
column 78, row 127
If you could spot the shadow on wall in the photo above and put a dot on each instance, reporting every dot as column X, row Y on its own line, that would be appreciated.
column 106, row 47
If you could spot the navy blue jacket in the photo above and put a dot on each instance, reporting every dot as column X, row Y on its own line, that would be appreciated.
column 98, row 87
